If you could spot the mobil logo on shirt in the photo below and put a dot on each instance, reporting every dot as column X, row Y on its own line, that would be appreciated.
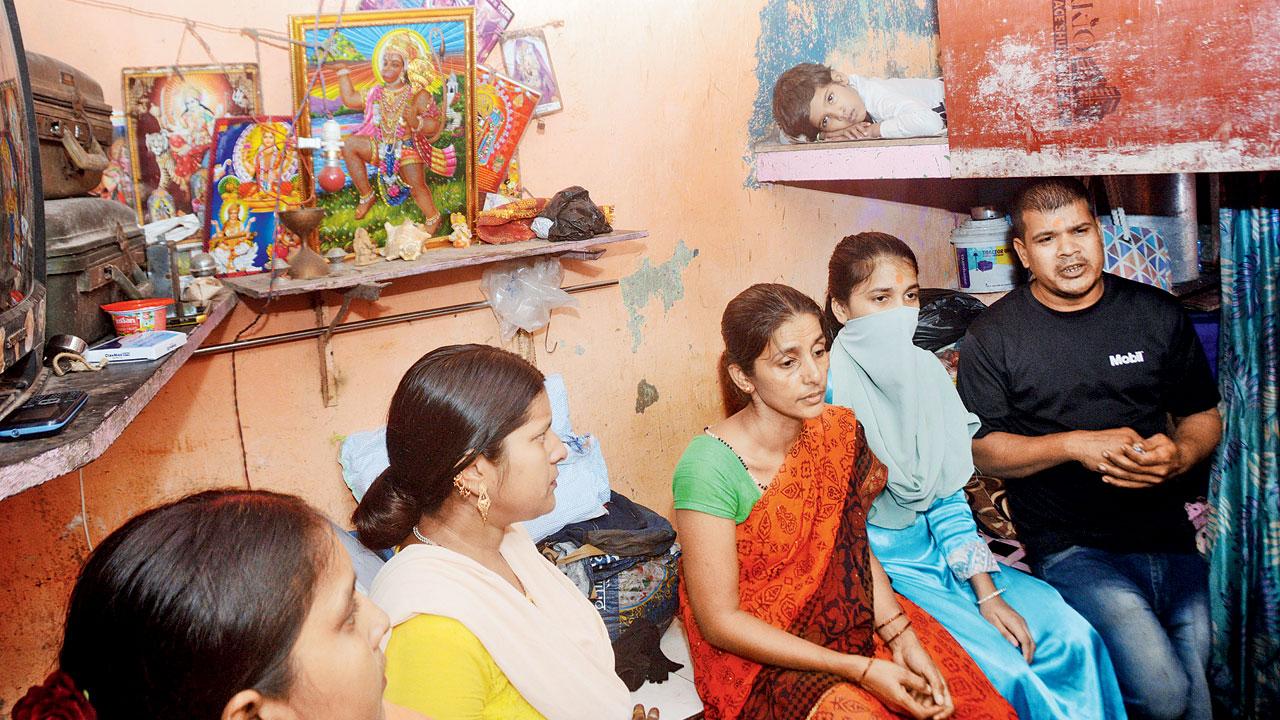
column 1129, row 358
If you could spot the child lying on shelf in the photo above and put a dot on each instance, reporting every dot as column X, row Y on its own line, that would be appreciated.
column 813, row 102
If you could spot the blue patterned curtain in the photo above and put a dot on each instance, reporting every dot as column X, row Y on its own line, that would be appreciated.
column 1244, row 488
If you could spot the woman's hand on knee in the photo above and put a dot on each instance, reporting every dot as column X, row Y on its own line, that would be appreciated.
column 1010, row 624
column 900, row 689
column 911, row 655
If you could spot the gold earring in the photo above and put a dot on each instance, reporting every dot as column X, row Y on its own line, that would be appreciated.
column 463, row 492
column 482, row 503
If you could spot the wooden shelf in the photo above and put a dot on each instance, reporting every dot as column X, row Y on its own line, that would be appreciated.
column 911, row 158
column 347, row 275
column 116, row 395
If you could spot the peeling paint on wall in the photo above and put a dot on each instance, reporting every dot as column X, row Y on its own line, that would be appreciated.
column 664, row 281
column 879, row 38
column 646, row 396
column 1064, row 87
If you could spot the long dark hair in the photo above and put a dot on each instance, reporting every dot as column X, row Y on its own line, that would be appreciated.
column 749, row 321
column 455, row 404
column 853, row 261
column 189, row 603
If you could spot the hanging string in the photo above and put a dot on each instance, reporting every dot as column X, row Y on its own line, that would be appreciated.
column 181, row 20
column 190, row 29
column 523, row 30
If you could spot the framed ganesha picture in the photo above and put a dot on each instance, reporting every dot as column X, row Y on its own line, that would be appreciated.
column 400, row 85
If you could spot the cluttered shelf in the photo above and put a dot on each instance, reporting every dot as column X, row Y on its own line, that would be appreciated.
column 853, row 160
column 117, row 394
column 347, row 275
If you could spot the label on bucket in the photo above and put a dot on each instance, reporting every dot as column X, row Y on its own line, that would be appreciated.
column 985, row 268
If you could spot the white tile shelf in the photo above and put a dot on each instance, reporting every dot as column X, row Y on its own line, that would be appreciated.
column 347, row 275
column 910, row 158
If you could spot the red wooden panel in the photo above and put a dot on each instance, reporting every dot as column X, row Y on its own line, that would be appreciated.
column 1046, row 87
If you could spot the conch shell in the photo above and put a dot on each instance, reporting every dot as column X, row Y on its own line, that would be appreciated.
column 404, row 241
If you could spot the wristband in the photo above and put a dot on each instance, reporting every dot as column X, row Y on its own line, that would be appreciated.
column 992, row 595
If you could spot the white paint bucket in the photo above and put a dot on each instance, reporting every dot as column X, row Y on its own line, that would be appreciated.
column 984, row 255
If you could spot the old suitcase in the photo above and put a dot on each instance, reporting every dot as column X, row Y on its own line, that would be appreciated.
column 73, row 124
column 94, row 250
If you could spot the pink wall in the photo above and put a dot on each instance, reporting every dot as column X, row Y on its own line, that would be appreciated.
column 657, row 98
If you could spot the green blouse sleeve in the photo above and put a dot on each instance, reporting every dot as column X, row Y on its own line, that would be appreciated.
column 711, row 479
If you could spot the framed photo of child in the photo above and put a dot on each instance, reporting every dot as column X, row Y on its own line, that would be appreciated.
column 400, row 84
column 170, row 113
column 254, row 173
column 529, row 62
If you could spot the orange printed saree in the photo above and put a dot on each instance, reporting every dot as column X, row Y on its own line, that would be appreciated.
column 804, row 567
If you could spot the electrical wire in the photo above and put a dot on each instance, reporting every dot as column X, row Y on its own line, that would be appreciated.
column 235, row 399
column 181, row 20
column 84, row 514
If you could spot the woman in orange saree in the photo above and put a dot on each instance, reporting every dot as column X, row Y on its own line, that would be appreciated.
column 789, row 616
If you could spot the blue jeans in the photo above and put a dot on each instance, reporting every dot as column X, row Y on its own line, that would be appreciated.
column 1152, row 611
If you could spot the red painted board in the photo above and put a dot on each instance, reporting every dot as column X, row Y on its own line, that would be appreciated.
column 1048, row 87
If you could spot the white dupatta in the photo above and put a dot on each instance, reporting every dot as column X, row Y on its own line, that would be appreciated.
column 555, row 650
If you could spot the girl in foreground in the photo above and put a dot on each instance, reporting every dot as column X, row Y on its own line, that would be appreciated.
column 225, row 605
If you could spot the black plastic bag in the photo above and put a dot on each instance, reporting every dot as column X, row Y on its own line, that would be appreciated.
column 574, row 216
column 944, row 317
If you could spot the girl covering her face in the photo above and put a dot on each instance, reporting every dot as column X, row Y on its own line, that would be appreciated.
column 1037, row 651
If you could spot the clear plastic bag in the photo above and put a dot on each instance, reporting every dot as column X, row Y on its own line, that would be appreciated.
column 523, row 294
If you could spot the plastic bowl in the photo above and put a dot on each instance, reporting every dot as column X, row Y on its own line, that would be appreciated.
column 135, row 316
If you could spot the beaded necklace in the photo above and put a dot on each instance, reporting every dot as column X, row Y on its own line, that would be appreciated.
column 391, row 107
column 762, row 486
column 390, row 116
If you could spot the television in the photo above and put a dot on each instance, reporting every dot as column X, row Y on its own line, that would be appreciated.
column 22, row 258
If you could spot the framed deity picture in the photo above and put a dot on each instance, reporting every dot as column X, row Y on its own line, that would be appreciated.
column 529, row 62
column 169, row 114
column 492, row 17
column 400, row 84
column 255, row 172
column 504, row 108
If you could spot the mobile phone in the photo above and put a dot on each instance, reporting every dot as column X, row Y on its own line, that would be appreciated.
column 43, row 414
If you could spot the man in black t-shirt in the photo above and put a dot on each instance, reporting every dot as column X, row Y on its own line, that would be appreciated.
column 1099, row 410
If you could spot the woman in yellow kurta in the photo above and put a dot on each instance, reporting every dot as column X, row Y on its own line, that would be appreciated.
column 482, row 625
column 465, row 682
